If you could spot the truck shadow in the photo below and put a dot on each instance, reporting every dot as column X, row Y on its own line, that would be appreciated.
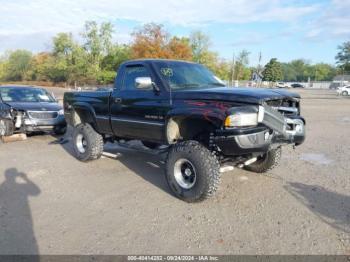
column 331, row 207
column 16, row 224
column 148, row 166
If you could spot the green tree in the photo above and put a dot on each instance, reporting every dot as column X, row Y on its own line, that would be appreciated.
column 241, row 70
column 273, row 71
column 117, row 55
column 63, row 44
column 38, row 69
column 222, row 69
column 3, row 69
column 323, row 72
column 200, row 44
column 70, row 60
column 300, row 67
column 17, row 65
column 343, row 56
column 289, row 73
column 98, row 43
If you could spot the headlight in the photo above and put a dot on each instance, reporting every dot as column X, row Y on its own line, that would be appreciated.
column 245, row 116
column 61, row 112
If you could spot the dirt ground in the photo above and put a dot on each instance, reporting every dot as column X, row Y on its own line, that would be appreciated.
column 50, row 203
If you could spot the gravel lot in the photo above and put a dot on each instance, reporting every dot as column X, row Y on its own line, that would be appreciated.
column 50, row 203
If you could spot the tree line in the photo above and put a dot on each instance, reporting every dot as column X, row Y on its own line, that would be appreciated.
column 95, row 58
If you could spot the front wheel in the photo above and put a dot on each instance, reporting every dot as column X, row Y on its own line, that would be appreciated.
column 87, row 143
column 192, row 171
column 266, row 162
column 345, row 93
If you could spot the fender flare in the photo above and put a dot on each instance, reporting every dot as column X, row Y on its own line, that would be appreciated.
column 85, row 112
column 212, row 116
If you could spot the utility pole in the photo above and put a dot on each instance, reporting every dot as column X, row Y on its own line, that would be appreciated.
column 259, row 69
column 233, row 69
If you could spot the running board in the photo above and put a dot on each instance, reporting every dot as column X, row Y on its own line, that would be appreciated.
column 159, row 151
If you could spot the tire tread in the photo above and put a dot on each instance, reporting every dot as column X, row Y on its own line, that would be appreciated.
column 95, row 149
column 209, row 162
column 272, row 161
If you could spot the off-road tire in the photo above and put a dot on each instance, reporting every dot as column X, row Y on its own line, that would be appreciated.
column 207, row 170
column 344, row 93
column 94, row 143
column 267, row 162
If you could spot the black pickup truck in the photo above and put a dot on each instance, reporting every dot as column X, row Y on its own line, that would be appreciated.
column 205, row 125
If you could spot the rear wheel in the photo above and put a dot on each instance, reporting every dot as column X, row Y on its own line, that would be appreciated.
column 266, row 162
column 192, row 171
column 87, row 143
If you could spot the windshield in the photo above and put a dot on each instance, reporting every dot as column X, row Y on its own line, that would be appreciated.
column 182, row 75
column 19, row 94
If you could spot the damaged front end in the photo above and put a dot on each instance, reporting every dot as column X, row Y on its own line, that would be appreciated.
column 11, row 120
column 251, row 131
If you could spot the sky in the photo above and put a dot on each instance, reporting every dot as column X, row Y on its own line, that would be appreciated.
column 284, row 29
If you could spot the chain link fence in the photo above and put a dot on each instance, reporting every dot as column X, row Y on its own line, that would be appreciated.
column 307, row 85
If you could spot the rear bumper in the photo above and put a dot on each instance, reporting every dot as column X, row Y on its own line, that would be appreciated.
column 235, row 142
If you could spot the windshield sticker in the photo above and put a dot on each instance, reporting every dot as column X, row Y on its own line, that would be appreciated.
column 166, row 71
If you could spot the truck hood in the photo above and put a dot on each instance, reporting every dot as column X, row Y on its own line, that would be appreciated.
column 244, row 95
column 35, row 106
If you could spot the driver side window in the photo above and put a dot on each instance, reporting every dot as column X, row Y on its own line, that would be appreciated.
column 133, row 72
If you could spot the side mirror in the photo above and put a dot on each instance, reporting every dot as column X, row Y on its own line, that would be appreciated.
column 143, row 83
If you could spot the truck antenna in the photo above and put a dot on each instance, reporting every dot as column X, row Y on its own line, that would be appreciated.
column 171, row 96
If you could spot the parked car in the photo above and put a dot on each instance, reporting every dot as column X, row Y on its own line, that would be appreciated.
column 205, row 126
column 282, row 85
column 29, row 109
column 297, row 85
column 334, row 86
column 344, row 91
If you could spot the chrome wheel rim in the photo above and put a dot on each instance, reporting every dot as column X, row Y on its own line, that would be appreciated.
column 185, row 173
column 81, row 143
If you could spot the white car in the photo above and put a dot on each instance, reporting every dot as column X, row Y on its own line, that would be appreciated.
column 344, row 90
column 282, row 85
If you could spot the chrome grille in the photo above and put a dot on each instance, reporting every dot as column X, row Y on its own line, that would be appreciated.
column 274, row 120
column 42, row 114
column 285, row 107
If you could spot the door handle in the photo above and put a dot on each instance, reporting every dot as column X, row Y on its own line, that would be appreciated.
column 117, row 99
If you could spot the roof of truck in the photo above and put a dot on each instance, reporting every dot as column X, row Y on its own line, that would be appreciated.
column 156, row 60
column 19, row 86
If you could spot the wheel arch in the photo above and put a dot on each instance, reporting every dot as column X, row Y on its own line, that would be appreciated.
column 83, row 113
column 189, row 127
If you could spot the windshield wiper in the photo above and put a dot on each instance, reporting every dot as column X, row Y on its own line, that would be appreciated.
column 216, row 84
column 188, row 85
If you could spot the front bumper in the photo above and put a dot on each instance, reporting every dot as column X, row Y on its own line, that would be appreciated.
column 235, row 142
column 33, row 124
